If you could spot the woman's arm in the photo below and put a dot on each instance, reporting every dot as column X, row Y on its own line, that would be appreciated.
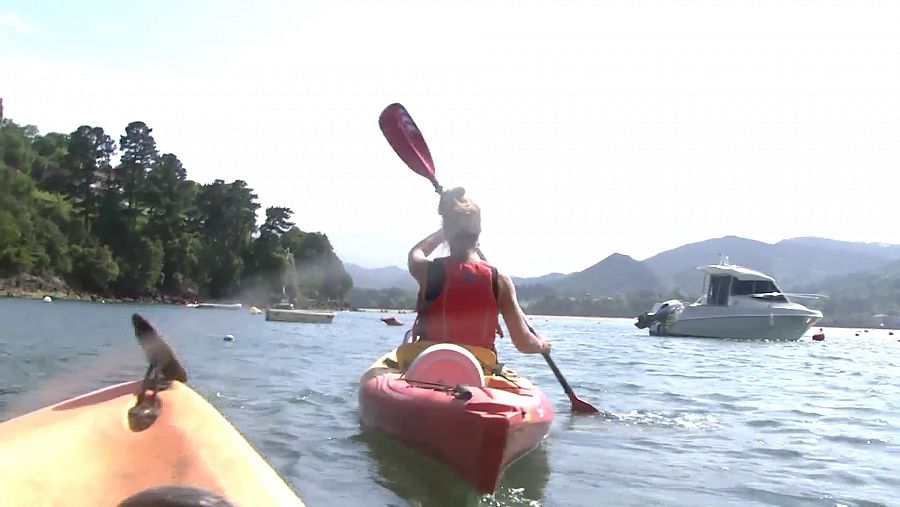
column 522, row 337
column 417, row 260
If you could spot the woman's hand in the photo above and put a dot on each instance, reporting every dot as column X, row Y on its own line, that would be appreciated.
column 417, row 260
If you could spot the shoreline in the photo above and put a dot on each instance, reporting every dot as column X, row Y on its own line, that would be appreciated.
column 38, row 287
column 82, row 298
column 58, row 296
column 72, row 296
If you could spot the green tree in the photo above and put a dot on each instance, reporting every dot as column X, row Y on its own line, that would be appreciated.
column 48, row 156
column 170, row 200
column 138, row 155
column 86, row 160
column 226, row 221
column 142, row 227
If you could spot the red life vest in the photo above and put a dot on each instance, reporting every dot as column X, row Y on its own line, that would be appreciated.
column 461, row 308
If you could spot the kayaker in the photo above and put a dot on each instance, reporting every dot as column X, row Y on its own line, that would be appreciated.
column 460, row 295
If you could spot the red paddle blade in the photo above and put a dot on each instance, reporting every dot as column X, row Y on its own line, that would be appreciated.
column 405, row 137
column 582, row 407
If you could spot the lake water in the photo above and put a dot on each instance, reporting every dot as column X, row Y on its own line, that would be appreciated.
column 699, row 421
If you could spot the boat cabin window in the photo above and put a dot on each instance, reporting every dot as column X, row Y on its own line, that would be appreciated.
column 718, row 290
column 748, row 287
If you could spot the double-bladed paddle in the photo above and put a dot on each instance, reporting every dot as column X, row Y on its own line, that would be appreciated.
column 407, row 141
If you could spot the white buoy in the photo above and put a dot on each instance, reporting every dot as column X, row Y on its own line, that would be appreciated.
column 229, row 338
column 47, row 299
column 255, row 311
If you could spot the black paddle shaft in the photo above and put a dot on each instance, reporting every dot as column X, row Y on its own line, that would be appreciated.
column 558, row 374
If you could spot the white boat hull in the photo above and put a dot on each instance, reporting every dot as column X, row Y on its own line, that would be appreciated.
column 747, row 327
column 215, row 306
column 740, row 303
column 306, row 316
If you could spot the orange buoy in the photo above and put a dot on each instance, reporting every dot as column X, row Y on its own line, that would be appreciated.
column 818, row 337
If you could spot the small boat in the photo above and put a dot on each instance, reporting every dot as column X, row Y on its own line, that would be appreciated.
column 437, row 398
column 215, row 306
column 144, row 439
column 739, row 303
column 285, row 303
column 392, row 321
column 293, row 315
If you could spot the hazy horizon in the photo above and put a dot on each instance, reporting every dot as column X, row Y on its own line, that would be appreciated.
column 733, row 256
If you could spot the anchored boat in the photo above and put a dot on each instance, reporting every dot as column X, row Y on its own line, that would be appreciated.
column 738, row 303
column 284, row 311
column 215, row 306
column 457, row 405
column 307, row 316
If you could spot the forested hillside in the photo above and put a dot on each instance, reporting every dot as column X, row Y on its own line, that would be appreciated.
column 119, row 218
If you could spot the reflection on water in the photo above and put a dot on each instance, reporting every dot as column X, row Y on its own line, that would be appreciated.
column 424, row 481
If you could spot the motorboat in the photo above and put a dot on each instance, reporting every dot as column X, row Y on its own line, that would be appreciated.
column 738, row 303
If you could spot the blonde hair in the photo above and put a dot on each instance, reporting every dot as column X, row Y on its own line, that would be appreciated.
column 461, row 216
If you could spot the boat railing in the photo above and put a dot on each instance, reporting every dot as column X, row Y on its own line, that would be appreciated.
column 764, row 295
column 812, row 301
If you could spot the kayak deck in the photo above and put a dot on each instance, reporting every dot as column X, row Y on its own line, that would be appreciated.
column 148, row 442
column 82, row 451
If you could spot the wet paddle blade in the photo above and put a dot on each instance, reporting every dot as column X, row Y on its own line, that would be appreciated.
column 405, row 137
column 578, row 406
column 582, row 407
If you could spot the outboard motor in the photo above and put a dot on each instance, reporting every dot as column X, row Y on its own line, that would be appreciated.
column 660, row 315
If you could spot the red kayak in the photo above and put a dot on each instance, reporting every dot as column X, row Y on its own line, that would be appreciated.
column 436, row 398
column 392, row 321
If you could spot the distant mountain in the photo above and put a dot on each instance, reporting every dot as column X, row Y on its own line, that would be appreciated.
column 884, row 250
column 676, row 268
column 855, row 298
column 616, row 274
column 381, row 278
column 538, row 280
column 861, row 279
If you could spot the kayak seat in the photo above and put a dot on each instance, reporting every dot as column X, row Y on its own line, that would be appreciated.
column 408, row 352
column 446, row 364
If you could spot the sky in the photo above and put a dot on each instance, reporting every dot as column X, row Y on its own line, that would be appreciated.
column 581, row 128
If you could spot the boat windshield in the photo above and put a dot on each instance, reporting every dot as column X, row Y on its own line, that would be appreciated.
column 748, row 287
column 718, row 290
